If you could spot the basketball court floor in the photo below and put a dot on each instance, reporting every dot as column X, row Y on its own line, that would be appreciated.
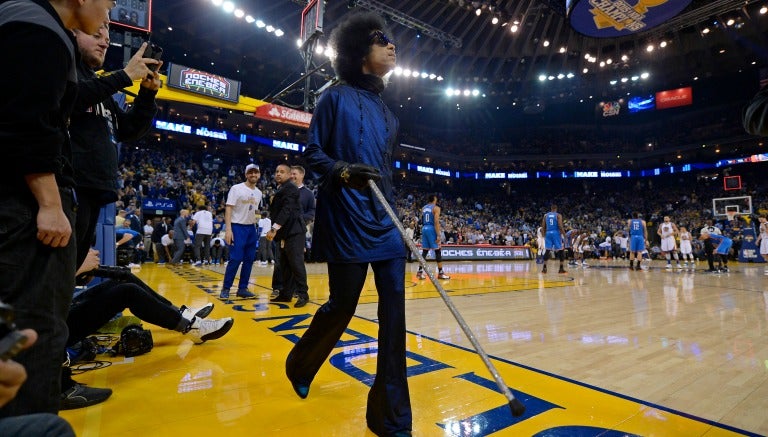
column 602, row 351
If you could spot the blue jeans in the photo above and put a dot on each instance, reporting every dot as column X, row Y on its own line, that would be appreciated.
column 242, row 251
column 389, row 404
column 38, row 281
column 49, row 425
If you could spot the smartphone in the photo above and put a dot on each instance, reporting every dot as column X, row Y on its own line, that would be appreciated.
column 153, row 52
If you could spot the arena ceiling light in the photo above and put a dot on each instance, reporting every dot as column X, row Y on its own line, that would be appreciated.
column 230, row 8
column 455, row 92
column 407, row 72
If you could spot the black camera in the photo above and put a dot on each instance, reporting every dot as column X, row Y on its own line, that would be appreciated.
column 155, row 52
column 11, row 340
column 112, row 272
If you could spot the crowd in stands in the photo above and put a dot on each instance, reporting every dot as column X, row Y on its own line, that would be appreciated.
column 719, row 123
column 489, row 214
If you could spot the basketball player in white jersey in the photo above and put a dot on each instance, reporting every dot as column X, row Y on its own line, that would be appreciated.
column 762, row 239
column 686, row 249
column 668, row 231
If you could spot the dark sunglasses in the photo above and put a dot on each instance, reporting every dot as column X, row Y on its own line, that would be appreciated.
column 379, row 38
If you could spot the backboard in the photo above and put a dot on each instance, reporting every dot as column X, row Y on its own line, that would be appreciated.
column 723, row 205
column 312, row 20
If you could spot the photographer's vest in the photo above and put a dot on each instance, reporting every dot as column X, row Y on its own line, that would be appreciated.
column 30, row 12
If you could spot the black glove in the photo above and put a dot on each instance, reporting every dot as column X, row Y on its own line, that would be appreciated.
column 356, row 175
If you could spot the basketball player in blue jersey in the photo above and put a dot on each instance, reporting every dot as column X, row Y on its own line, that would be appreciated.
column 638, row 234
column 552, row 223
column 430, row 236
column 722, row 245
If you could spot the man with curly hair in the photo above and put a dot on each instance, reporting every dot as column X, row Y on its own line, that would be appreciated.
column 351, row 141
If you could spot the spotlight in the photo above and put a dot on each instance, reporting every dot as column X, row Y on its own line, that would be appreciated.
column 228, row 7
column 495, row 20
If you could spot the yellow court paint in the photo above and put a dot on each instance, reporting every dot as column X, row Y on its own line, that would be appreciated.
column 236, row 385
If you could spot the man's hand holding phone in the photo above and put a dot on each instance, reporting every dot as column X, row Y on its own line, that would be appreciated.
column 145, row 68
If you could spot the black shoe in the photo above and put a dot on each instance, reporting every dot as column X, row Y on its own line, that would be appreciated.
column 562, row 270
column 80, row 396
column 301, row 302
column 544, row 269
column 280, row 299
column 274, row 294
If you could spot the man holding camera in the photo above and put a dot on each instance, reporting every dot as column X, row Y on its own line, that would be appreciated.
column 98, row 125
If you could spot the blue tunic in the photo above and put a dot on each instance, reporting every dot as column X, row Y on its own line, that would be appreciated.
column 353, row 125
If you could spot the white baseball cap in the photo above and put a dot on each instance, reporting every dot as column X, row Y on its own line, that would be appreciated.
column 251, row 167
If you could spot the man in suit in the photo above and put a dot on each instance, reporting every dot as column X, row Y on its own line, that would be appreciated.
column 288, row 229
column 307, row 201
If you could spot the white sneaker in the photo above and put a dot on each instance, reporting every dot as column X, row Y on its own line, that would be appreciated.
column 262, row 263
column 200, row 312
column 669, row 267
column 133, row 266
column 204, row 330
column 443, row 276
column 197, row 264
column 421, row 275
column 679, row 266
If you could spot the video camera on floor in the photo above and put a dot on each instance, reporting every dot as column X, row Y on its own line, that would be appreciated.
column 11, row 340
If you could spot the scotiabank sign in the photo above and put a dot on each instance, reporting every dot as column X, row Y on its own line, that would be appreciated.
column 484, row 252
column 281, row 114
column 674, row 98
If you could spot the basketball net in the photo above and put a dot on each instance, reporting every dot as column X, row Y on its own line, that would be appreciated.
column 731, row 215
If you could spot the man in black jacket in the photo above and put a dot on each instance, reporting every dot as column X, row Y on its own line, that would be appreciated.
column 98, row 124
column 37, row 248
column 288, row 229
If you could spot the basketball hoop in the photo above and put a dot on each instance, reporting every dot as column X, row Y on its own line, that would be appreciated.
column 731, row 215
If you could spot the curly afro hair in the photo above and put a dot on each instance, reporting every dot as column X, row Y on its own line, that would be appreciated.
column 350, row 41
